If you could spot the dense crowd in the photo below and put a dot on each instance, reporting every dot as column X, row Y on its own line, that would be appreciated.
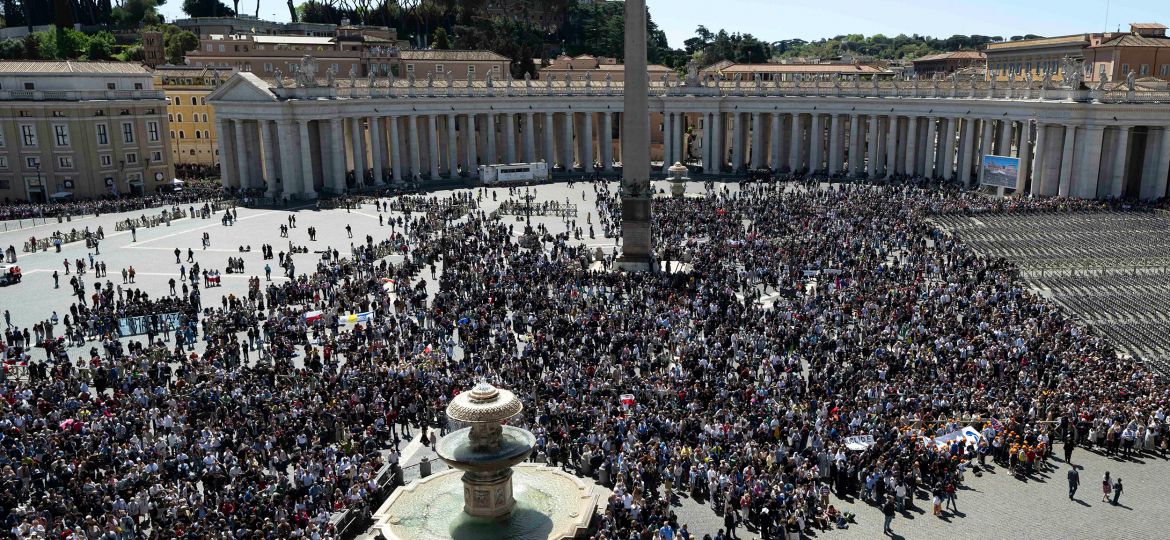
column 805, row 316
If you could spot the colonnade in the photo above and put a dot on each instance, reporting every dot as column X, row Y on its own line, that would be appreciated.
column 402, row 147
column 305, row 147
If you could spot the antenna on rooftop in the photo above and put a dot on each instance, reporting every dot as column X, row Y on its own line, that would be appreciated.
column 1106, row 27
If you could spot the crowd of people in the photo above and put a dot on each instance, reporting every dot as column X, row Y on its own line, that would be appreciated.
column 804, row 316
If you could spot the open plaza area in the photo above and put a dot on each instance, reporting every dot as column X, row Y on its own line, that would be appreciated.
column 811, row 355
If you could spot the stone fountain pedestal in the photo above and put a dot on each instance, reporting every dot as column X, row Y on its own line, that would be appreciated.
column 495, row 497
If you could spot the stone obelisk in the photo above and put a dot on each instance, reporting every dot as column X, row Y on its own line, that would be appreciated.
column 636, row 145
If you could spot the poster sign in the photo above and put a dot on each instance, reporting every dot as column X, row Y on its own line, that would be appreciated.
column 859, row 442
column 966, row 435
column 627, row 400
column 355, row 318
column 1000, row 171
column 133, row 326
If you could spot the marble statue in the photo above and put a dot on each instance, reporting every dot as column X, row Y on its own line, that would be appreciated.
column 874, row 80
column 692, row 73
column 371, row 80
column 470, row 77
column 330, row 76
column 353, row 76
column 527, row 80
column 1102, row 78
column 1046, row 83
column 588, row 80
column 1129, row 81
column 450, row 79
column 488, row 80
column 837, row 82
column 410, row 80
column 307, row 72
column 608, row 80
column 430, row 80
column 215, row 76
column 279, row 78
column 857, row 82
column 548, row 83
column 759, row 81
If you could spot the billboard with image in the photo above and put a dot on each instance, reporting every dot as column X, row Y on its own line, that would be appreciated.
column 1000, row 171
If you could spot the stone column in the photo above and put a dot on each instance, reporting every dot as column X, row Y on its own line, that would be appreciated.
column 568, row 150
column 1005, row 138
column 949, row 150
column 737, row 151
column 1025, row 151
column 834, row 144
column 395, row 150
column 1039, row 175
column 891, row 145
column 1066, row 161
column 1161, row 170
column 452, row 146
column 855, row 158
column 988, row 141
column 269, row 150
column 529, row 139
column 1090, row 163
column 587, row 142
column 757, row 159
column 872, row 154
column 816, row 142
column 607, row 141
column 242, row 155
column 415, row 157
column 912, row 145
column 376, row 148
column 227, row 152
column 470, row 144
column 288, row 160
column 490, row 127
column 1120, row 154
column 968, row 151
column 718, row 153
column 667, row 133
column 794, row 149
column 550, row 150
column 433, row 144
column 336, row 180
column 510, row 137
column 679, row 150
column 930, row 149
column 308, row 186
column 775, row 163
column 357, row 145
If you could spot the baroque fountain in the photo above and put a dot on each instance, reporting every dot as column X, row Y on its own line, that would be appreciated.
column 488, row 493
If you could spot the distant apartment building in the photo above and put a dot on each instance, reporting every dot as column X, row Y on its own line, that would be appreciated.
column 84, row 128
column 246, row 24
column 1145, row 51
column 541, row 13
column 943, row 64
column 769, row 72
column 1017, row 59
column 598, row 67
column 362, row 50
column 191, row 119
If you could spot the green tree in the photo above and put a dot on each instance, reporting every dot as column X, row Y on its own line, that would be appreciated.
column 70, row 43
column 134, row 13
column 208, row 8
column 440, row 40
column 100, row 46
column 11, row 49
column 178, row 44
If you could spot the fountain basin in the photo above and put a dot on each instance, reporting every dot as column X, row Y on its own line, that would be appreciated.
column 550, row 504
column 457, row 450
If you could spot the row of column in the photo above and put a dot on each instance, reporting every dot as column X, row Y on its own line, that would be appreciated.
column 303, row 157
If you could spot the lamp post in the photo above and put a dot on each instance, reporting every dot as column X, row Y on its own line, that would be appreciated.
column 39, row 181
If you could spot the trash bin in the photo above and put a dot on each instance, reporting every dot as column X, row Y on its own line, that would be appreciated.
column 424, row 468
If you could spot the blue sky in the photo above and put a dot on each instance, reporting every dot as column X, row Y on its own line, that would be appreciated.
column 774, row 20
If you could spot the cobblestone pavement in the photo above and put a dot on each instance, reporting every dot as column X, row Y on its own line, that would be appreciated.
column 996, row 505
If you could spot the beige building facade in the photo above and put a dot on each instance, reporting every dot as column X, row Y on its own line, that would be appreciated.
column 87, row 129
column 191, row 118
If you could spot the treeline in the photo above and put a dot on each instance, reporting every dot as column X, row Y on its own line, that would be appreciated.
column 900, row 47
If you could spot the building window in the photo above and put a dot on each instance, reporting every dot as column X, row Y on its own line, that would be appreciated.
column 206, row 134
column 107, row 161
column 3, row 162
column 111, row 86
column 28, row 134
column 471, row 70
column 198, row 135
column 176, row 101
column 179, row 117
column 1145, row 70
column 410, row 68
column 203, row 101
column 152, row 129
column 128, row 132
column 32, row 162
column 1165, row 70
column 65, row 162
column 58, row 114
column 30, row 86
column 1124, row 69
column 131, row 158
column 193, row 100
column 205, row 117
column 62, row 134
column 267, row 67
column 439, row 69
column 138, row 86
column 170, row 117
column 103, row 135
column 156, row 156
column 172, row 134
column 180, row 134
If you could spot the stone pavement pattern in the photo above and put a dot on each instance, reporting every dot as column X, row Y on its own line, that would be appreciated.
column 996, row 506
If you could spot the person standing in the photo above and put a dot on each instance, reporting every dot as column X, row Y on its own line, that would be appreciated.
column 1106, row 487
column 888, row 509
column 1074, row 481
column 1116, row 491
